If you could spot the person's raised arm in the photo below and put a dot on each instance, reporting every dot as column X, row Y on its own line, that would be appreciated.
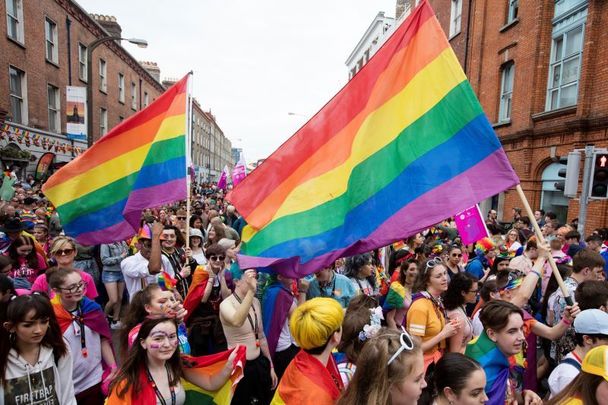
column 155, row 263
column 525, row 291
column 237, row 317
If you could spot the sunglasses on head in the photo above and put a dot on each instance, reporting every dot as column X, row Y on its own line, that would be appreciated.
column 64, row 252
column 406, row 344
column 214, row 258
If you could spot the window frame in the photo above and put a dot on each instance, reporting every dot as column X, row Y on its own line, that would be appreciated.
column 512, row 11
column 134, row 96
column 22, row 98
column 56, row 110
column 455, row 17
column 505, row 108
column 560, row 33
column 19, row 34
column 121, row 88
column 51, row 29
column 83, row 62
column 146, row 99
column 103, row 75
column 103, row 121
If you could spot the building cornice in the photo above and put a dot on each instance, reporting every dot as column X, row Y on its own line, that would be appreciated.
column 76, row 11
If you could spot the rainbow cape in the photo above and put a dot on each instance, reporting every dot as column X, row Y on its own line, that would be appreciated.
column 402, row 146
column 140, row 163
column 93, row 316
column 275, row 311
column 307, row 381
column 395, row 298
column 204, row 365
column 496, row 365
column 196, row 290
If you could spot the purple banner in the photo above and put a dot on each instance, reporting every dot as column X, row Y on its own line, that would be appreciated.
column 470, row 225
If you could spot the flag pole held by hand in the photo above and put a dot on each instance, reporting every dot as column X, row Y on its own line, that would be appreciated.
column 541, row 239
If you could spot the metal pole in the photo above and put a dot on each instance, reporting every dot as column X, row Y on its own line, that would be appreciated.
column 90, row 48
column 584, row 199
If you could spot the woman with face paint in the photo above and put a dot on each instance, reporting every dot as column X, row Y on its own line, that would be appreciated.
column 151, row 301
column 153, row 372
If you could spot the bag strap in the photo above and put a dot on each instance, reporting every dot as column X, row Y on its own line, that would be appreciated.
column 571, row 362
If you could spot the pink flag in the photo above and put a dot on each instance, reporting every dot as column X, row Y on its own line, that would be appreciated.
column 470, row 225
column 223, row 181
column 239, row 172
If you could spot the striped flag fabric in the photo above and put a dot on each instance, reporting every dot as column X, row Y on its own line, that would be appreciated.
column 140, row 163
column 404, row 145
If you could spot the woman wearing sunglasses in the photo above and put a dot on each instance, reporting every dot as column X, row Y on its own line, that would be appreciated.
column 390, row 370
column 454, row 261
column 211, row 284
column 63, row 252
column 426, row 317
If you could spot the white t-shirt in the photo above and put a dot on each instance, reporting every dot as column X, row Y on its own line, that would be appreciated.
column 562, row 375
column 87, row 371
column 135, row 272
column 477, row 325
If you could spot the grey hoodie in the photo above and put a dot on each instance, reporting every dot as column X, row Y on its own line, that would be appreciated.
column 42, row 383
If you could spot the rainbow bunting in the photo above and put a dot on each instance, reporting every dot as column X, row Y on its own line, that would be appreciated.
column 140, row 163
column 402, row 146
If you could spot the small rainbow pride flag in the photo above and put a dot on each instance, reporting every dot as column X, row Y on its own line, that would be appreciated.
column 404, row 145
column 140, row 163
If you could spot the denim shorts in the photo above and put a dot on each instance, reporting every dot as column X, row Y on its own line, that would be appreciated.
column 112, row 277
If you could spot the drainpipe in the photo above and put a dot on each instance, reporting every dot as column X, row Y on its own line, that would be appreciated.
column 68, row 24
column 466, row 44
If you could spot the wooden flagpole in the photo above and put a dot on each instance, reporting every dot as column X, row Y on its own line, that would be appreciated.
column 188, row 158
column 541, row 239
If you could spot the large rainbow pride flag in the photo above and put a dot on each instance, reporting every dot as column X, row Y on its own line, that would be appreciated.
column 140, row 163
column 402, row 146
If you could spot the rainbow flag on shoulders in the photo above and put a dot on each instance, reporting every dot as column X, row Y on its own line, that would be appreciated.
column 140, row 163
column 404, row 145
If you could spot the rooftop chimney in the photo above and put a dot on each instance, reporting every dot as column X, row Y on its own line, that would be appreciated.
column 109, row 23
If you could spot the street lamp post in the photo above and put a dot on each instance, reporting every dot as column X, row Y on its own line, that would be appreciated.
column 142, row 43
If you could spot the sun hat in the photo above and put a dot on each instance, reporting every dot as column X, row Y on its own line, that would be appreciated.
column 196, row 233
column 596, row 362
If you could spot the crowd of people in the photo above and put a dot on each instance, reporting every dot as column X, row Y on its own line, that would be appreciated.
column 427, row 320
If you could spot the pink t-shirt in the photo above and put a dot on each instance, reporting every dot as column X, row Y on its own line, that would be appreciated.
column 23, row 270
column 42, row 285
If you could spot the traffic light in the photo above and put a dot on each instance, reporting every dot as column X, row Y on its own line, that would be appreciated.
column 599, row 176
column 570, row 173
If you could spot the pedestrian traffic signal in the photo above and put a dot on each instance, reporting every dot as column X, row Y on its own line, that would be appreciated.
column 599, row 176
column 570, row 173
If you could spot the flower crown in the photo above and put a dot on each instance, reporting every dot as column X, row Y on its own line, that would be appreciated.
column 371, row 329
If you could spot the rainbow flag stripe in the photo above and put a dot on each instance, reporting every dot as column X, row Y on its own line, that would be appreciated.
column 402, row 146
column 140, row 163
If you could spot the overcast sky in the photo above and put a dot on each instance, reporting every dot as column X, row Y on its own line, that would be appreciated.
column 253, row 61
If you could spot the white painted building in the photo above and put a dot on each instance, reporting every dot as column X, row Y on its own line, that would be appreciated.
column 373, row 38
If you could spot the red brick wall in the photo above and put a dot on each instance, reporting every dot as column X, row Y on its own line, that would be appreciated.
column 31, row 59
column 529, row 136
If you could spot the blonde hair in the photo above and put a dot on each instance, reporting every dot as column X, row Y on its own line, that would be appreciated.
column 372, row 382
column 59, row 243
column 313, row 323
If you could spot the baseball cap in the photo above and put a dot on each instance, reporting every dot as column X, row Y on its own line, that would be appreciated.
column 591, row 322
column 596, row 362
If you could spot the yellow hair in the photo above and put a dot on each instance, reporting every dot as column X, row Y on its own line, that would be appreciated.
column 313, row 322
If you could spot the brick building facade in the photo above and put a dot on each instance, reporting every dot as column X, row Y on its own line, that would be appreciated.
column 43, row 50
column 539, row 70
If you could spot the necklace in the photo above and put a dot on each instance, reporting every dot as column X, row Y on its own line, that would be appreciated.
column 254, row 326
column 159, row 395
